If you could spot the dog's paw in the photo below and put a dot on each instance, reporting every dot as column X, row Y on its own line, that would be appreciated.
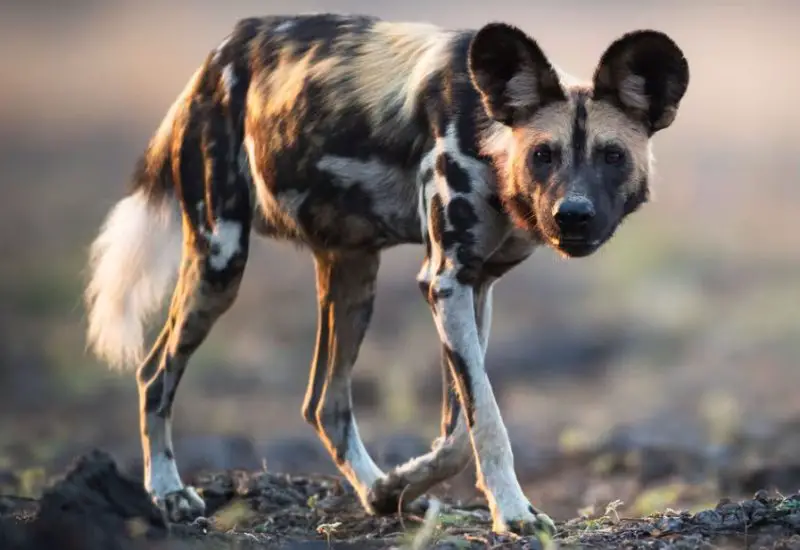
column 387, row 496
column 182, row 505
column 531, row 523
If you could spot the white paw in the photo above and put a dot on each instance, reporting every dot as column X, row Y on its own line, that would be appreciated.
column 531, row 522
column 182, row 505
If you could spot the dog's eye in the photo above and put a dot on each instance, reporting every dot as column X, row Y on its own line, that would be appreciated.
column 614, row 156
column 543, row 154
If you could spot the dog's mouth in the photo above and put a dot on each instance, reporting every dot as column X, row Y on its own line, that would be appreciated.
column 575, row 248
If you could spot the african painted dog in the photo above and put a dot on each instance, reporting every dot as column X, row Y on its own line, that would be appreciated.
column 350, row 135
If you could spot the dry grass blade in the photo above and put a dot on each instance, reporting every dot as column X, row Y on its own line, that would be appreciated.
column 425, row 533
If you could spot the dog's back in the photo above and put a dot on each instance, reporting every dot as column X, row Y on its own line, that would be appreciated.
column 336, row 125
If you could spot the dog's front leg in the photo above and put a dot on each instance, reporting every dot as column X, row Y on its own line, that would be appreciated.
column 453, row 312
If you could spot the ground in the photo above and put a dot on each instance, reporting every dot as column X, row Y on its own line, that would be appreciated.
column 94, row 505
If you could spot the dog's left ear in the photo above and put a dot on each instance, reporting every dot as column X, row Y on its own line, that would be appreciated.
column 645, row 74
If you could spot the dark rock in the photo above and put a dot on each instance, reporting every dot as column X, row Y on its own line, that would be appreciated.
column 93, row 507
column 762, row 496
column 733, row 516
column 756, row 510
column 274, row 492
column 217, row 490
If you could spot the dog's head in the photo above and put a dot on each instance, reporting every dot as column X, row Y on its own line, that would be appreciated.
column 575, row 159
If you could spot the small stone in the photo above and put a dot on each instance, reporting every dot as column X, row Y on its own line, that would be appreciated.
column 756, row 510
column 762, row 496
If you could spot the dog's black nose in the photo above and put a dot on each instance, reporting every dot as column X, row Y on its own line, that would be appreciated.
column 573, row 214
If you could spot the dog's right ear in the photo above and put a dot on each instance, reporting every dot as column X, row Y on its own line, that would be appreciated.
column 512, row 74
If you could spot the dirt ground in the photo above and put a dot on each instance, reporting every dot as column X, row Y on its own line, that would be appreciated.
column 94, row 506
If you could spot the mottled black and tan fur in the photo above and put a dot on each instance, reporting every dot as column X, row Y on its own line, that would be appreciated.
column 350, row 135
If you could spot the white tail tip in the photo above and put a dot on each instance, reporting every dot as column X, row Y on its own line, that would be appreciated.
column 133, row 263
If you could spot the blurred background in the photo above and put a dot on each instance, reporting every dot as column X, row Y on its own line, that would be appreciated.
column 662, row 371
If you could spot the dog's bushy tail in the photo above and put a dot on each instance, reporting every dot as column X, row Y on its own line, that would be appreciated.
column 133, row 262
column 135, row 259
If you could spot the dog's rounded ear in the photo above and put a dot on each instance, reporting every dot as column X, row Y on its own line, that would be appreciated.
column 511, row 73
column 645, row 74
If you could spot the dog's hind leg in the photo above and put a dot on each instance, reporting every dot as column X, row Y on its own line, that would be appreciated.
column 217, row 221
column 346, row 292
column 202, row 295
